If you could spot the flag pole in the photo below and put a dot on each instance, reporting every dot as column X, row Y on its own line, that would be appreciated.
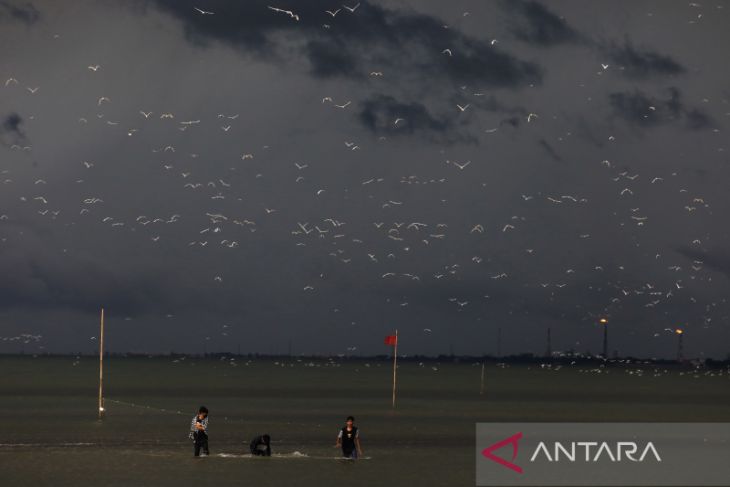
column 101, row 366
column 395, row 359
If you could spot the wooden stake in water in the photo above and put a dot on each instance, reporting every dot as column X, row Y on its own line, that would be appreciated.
column 101, row 366
column 395, row 364
column 481, row 387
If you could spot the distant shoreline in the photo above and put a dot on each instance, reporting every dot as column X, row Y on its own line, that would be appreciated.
column 522, row 359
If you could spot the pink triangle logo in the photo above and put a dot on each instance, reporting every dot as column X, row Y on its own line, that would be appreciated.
column 514, row 439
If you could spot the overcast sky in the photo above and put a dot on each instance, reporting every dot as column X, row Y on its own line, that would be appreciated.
column 252, row 177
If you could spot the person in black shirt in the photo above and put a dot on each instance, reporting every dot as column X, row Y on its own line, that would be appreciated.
column 199, row 431
column 261, row 446
column 349, row 439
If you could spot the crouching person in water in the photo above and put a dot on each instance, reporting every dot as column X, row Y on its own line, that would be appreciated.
column 199, row 431
column 261, row 446
column 349, row 439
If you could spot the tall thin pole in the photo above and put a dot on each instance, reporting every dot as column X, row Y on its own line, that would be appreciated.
column 101, row 366
column 680, row 349
column 604, row 322
column 481, row 387
column 395, row 364
column 499, row 342
column 549, row 349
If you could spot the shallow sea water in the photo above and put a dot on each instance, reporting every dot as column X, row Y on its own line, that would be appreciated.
column 54, row 438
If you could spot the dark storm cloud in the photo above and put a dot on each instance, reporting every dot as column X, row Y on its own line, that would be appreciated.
column 642, row 109
column 534, row 23
column 511, row 121
column 641, row 63
column 585, row 131
column 45, row 284
column 308, row 239
column 549, row 149
column 44, row 279
column 328, row 60
column 718, row 261
column 697, row 119
column 378, row 114
column 483, row 293
column 354, row 43
column 25, row 13
column 11, row 131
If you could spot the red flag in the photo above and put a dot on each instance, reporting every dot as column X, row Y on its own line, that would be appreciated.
column 391, row 340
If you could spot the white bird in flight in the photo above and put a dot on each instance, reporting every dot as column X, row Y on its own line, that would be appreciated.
column 462, row 108
column 462, row 166
column 288, row 12
column 203, row 12
column 333, row 13
column 352, row 9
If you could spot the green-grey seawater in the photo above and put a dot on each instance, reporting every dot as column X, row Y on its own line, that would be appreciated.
column 51, row 435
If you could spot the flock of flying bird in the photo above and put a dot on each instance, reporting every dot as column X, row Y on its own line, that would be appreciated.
column 383, row 246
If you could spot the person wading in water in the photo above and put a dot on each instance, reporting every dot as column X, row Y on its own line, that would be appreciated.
column 349, row 439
